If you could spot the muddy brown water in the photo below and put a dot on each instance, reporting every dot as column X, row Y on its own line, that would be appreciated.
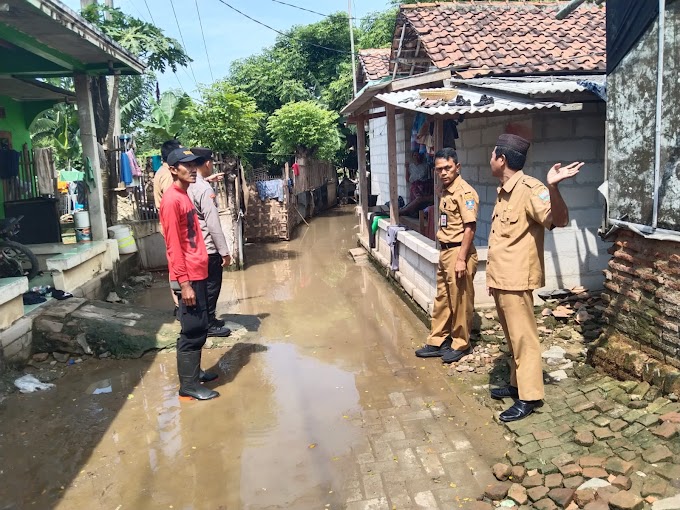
column 329, row 341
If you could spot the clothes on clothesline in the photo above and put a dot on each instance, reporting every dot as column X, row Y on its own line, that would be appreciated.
column 44, row 168
column 296, row 169
column 392, row 233
column 270, row 189
column 9, row 163
column 136, row 170
column 156, row 163
column 125, row 169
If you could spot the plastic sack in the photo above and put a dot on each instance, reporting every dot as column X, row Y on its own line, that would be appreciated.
column 28, row 384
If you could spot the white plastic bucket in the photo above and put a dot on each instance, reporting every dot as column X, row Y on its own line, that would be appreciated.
column 81, row 219
column 126, row 242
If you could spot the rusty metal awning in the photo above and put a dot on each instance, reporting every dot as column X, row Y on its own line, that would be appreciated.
column 417, row 101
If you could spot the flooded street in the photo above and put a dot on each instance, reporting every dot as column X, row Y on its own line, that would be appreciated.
column 323, row 405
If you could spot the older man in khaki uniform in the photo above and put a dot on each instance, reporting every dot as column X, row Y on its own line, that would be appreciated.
column 524, row 209
column 454, row 304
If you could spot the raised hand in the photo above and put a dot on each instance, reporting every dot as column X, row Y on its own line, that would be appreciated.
column 558, row 174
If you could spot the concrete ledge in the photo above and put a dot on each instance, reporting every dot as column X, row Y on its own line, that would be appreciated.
column 10, row 288
column 16, row 340
column 79, row 254
column 11, row 300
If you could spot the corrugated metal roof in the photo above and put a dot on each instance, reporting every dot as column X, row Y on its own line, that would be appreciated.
column 533, row 86
column 412, row 100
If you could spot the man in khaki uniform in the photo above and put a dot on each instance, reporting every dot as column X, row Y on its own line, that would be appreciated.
column 514, row 268
column 454, row 303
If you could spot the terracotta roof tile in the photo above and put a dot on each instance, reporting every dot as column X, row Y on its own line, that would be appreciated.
column 509, row 39
column 375, row 63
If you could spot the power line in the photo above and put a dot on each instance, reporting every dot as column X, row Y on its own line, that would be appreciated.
column 200, row 23
column 301, row 8
column 320, row 13
column 183, row 43
column 288, row 36
column 147, row 8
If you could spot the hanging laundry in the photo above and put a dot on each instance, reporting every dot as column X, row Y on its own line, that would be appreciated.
column 44, row 168
column 270, row 189
column 136, row 169
column 125, row 169
column 9, row 163
column 156, row 163
column 296, row 169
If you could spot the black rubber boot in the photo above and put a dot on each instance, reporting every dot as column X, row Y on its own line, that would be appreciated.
column 207, row 376
column 189, row 369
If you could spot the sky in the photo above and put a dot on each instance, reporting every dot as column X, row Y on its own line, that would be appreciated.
column 228, row 35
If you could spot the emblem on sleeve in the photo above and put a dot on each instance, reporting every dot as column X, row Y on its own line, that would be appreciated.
column 544, row 195
column 469, row 201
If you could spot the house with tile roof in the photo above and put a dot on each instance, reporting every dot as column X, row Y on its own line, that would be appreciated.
column 374, row 65
column 543, row 76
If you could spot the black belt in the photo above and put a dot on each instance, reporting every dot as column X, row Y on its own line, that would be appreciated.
column 448, row 246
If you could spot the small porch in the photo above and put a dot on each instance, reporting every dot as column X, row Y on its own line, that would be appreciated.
column 565, row 122
column 45, row 39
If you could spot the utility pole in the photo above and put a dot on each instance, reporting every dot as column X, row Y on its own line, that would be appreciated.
column 351, row 41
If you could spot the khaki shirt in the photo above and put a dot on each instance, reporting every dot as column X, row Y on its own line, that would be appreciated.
column 515, row 257
column 458, row 205
column 161, row 182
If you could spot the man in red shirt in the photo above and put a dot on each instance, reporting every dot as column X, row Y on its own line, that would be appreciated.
column 188, row 265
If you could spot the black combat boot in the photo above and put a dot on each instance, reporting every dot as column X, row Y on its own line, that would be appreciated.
column 189, row 370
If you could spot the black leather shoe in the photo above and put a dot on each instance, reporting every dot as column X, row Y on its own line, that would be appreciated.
column 432, row 351
column 207, row 376
column 454, row 355
column 505, row 392
column 218, row 331
column 214, row 321
column 520, row 409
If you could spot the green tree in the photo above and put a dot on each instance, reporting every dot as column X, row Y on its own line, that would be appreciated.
column 226, row 120
column 377, row 29
column 58, row 129
column 168, row 117
column 304, row 127
column 147, row 42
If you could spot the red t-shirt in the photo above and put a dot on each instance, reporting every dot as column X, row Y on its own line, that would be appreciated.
column 187, row 256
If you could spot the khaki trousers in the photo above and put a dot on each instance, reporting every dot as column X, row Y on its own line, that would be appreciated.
column 516, row 315
column 455, row 301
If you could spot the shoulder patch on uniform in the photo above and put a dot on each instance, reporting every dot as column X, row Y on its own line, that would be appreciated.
column 469, row 200
column 543, row 194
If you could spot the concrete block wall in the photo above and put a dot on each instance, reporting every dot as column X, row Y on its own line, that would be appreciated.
column 574, row 255
column 643, row 295
column 418, row 261
column 378, row 156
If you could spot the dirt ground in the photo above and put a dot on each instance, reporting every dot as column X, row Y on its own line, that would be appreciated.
column 323, row 405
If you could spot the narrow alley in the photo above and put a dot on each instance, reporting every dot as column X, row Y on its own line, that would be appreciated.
column 323, row 405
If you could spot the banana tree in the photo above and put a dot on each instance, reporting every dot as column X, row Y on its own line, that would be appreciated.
column 58, row 128
column 168, row 117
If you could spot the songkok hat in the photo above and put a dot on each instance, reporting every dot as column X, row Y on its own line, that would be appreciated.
column 513, row 142
column 203, row 152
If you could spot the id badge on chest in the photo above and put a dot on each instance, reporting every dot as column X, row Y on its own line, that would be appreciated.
column 442, row 220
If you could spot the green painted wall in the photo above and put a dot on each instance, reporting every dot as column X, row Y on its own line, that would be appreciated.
column 14, row 123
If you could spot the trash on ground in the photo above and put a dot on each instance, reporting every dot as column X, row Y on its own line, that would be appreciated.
column 99, row 387
column 29, row 383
